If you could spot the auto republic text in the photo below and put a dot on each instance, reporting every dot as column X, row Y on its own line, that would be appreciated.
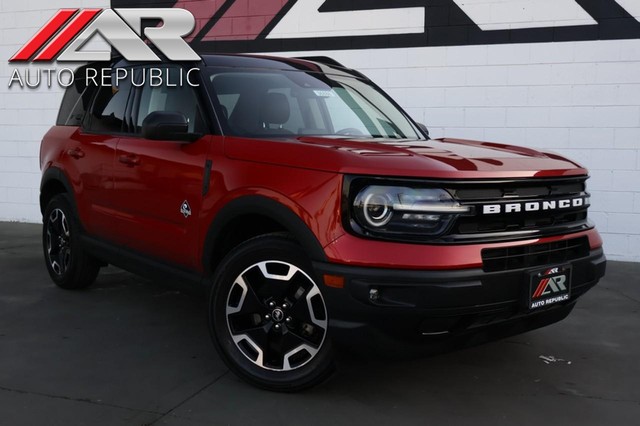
column 33, row 78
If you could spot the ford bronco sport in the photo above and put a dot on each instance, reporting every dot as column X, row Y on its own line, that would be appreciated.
column 312, row 209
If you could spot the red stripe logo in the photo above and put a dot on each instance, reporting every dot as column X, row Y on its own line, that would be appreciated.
column 55, row 34
column 44, row 35
column 541, row 288
column 67, row 34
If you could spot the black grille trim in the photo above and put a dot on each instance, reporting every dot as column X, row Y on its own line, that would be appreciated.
column 558, row 252
column 474, row 228
column 497, row 191
column 483, row 227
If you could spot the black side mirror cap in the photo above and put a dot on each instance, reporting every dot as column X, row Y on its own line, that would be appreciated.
column 424, row 129
column 167, row 126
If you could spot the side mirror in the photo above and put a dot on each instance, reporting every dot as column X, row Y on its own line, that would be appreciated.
column 167, row 126
column 424, row 129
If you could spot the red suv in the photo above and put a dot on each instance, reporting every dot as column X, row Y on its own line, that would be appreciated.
column 312, row 209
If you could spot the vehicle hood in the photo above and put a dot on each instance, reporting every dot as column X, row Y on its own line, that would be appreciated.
column 438, row 158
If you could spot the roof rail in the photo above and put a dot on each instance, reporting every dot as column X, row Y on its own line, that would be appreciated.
column 322, row 60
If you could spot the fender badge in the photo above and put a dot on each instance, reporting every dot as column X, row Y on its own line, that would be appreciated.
column 185, row 209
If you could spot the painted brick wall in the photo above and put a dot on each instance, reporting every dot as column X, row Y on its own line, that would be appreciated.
column 25, row 115
column 581, row 99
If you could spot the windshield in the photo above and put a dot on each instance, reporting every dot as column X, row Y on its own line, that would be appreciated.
column 259, row 103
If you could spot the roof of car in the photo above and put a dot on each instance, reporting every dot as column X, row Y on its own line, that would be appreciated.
column 320, row 64
column 313, row 64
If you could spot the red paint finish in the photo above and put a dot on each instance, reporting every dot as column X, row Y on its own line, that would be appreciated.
column 90, row 172
column 44, row 35
column 312, row 195
column 152, row 179
column 138, row 207
column 439, row 159
column 129, row 190
column 351, row 250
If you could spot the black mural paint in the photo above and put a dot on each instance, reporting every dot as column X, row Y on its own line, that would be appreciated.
column 445, row 25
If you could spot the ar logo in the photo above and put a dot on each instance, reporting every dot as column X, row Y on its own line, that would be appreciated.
column 185, row 209
column 63, row 37
column 551, row 285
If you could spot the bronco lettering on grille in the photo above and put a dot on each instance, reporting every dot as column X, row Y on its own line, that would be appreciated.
column 535, row 206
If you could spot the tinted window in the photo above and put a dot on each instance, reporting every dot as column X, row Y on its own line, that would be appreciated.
column 108, row 110
column 179, row 98
column 75, row 104
column 294, row 122
column 256, row 103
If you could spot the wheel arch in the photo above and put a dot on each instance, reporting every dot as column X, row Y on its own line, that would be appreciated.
column 280, row 217
column 55, row 182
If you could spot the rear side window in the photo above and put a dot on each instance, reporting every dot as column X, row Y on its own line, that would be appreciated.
column 75, row 104
column 108, row 110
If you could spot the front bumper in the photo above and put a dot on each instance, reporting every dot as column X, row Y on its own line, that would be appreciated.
column 415, row 306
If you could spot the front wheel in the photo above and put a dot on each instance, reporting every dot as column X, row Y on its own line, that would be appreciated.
column 268, row 318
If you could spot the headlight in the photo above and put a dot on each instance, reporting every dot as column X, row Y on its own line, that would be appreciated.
column 380, row 210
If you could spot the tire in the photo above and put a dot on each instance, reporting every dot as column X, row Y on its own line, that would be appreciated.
column 267, row 316
column 69, row 267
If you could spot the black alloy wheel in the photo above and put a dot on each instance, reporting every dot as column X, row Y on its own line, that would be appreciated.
column 67, row 263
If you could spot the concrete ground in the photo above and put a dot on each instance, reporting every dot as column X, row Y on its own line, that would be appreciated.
column 128, row 352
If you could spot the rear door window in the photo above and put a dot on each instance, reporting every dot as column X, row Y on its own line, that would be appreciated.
column 170, row 98
column 107, row 113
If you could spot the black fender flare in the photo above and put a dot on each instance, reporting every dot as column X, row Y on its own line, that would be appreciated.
column 56, row 174
column 279, row 213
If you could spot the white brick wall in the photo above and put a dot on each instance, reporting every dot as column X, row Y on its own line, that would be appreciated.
column 510, row 14
column 25, row 115
column 581, row 99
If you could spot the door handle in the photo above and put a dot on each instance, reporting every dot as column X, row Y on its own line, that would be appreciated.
column 130, row 160
column 76, row 153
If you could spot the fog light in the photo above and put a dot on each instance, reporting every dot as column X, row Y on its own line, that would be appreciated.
column 374, row 294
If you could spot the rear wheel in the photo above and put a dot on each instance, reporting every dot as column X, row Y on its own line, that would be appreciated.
column 69, row 267
column 268, row 318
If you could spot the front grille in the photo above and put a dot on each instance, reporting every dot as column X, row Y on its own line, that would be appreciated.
column 498, row 209
column 521, row 189
column 519, row 222
column 524, row 223
column 508, row 258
